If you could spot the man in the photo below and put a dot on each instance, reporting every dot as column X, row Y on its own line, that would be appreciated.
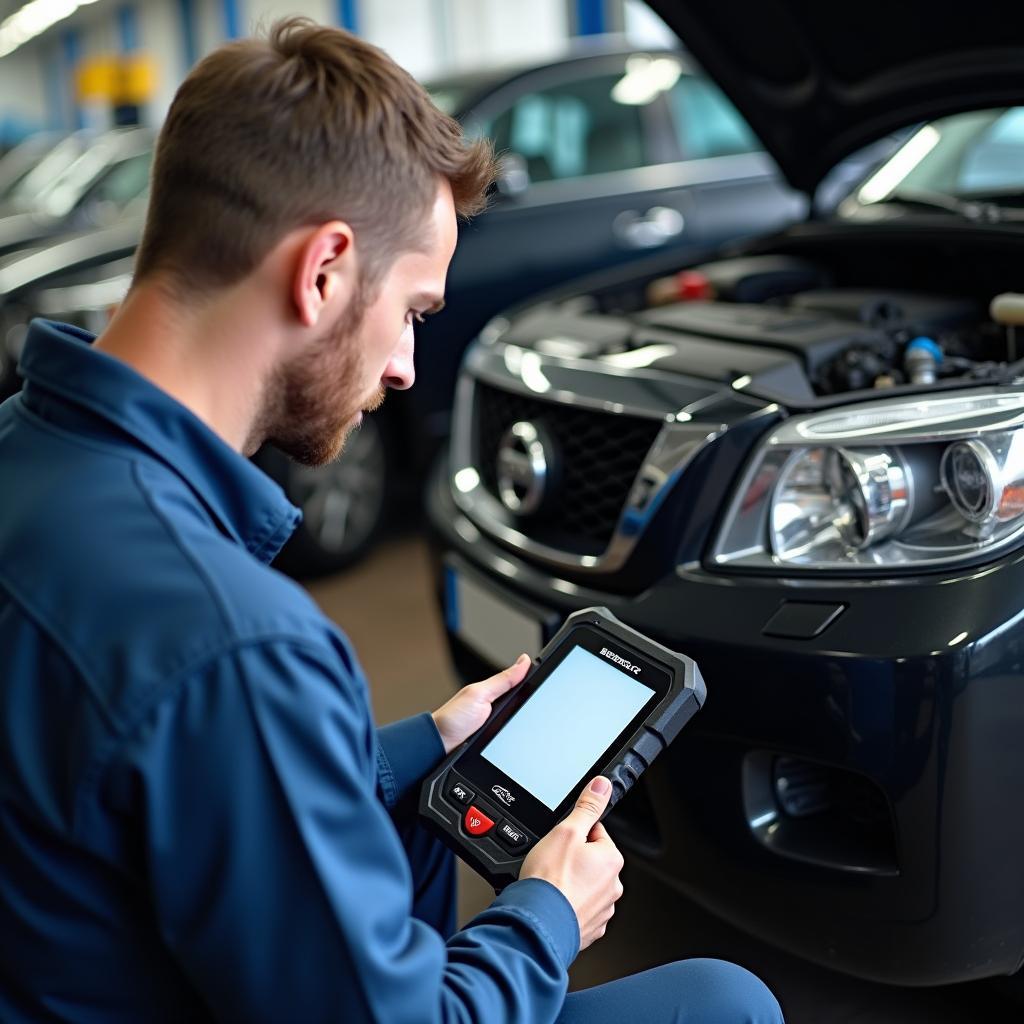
column 198, row 818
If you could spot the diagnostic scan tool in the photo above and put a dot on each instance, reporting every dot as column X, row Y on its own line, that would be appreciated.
column 601, row 699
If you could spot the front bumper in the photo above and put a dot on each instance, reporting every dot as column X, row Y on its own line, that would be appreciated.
column 911, row 702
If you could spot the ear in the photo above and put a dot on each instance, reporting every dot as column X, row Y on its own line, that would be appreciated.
column 325, row 271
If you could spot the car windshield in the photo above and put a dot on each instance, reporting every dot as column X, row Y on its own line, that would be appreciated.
column 953, row 164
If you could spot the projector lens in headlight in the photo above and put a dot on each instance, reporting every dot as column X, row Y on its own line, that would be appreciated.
column 985, row 478
column 838, row 498
column 967, row 476
column 894, row 483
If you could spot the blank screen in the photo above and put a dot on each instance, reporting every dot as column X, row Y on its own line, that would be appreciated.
column 570, row 721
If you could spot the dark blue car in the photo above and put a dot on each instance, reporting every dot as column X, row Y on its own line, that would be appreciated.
column 800, row 462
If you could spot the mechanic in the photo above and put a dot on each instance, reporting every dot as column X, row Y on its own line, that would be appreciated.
column 199, row 819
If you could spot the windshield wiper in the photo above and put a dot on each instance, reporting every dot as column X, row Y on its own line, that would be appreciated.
column 975, row 210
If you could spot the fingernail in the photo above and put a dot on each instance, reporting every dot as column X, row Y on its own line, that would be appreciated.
column 522, row 658
column 600, row 785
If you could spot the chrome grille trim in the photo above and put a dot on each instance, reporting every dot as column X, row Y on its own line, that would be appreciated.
column 676, row 444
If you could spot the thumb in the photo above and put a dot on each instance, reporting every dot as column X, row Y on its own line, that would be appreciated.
column 590, row 805
column 504, row 680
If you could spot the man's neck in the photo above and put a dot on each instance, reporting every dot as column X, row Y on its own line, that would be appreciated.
column 209, row 358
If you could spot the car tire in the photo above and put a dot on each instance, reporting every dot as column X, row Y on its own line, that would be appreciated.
column 344, row 504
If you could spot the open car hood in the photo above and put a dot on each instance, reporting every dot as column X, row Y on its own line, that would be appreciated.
column 817, row 80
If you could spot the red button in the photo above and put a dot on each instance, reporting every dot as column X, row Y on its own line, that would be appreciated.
column 477, row 823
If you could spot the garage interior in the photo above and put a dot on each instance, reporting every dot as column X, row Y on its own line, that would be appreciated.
column 372, row 553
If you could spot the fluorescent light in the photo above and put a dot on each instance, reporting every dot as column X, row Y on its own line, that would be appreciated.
column 33, row 19
column 645, row 77
column 890, row 174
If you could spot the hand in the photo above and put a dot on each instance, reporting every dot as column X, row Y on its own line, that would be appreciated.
column 457, row 720
column 578, row 857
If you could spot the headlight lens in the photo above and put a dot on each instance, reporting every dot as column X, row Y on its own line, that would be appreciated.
column 896, row 483
column 846, row 498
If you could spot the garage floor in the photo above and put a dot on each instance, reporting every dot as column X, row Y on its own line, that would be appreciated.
column 386, row 606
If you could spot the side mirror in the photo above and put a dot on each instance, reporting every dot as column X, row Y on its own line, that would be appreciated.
column 513, row 177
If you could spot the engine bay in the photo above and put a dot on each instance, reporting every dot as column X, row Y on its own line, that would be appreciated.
column 846, row 338
column 817, row 312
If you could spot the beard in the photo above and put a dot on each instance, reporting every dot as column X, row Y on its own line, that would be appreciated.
column 311, row 407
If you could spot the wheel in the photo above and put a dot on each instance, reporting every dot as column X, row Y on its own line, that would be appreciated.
column 344, row 504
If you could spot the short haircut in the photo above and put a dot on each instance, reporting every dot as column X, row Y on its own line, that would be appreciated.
column 307, row 125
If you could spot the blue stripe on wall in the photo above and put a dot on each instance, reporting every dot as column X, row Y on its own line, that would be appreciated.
column 187, row 17
column 128, row 28
column 55, row 93
column 232, row 29
column 590, row 19
column 348, row 14
column 71, row 50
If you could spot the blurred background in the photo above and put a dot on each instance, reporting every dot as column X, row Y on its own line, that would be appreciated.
column 97, row 63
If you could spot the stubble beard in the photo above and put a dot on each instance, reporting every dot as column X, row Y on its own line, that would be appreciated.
column 311, row 408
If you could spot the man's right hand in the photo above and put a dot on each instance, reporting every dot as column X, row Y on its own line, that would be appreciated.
column 579, row 858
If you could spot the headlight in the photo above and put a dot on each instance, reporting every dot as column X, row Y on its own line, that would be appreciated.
column 898, row 483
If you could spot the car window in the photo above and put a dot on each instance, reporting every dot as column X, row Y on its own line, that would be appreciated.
column 124, row 182
column 707, row 123
column 572, row 129
column 996, row 160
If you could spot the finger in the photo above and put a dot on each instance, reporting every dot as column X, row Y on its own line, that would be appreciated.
column 599, row 834
column 504, row 680
column 590, row 806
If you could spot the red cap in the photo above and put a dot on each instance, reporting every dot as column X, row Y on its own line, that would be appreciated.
column 692, row 285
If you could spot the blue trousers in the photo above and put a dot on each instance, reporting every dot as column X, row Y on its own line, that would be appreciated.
column 685, row 992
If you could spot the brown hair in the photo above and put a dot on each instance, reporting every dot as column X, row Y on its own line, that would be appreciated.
column 308, row 125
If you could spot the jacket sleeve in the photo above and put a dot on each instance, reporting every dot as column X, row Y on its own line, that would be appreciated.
column 278, row 880
column 406, row 751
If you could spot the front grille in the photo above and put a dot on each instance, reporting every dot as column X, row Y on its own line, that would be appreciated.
column 601, row 454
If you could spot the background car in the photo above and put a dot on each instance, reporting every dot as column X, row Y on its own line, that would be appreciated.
column 83, row 182
column 800, row 463
column 609, row 155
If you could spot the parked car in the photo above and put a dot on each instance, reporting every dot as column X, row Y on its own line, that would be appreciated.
column 82, row 183
column 20, row 161
column 802, row 463
column 610, row 154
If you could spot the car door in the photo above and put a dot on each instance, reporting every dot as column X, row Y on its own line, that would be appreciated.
column 597, row 160
column 736, row 188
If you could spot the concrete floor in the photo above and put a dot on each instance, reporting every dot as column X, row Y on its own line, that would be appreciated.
column 386, row 606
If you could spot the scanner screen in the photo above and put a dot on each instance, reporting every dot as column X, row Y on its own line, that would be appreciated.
column 566, row 725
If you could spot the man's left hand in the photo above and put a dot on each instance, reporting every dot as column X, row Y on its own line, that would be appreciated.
column 460, row 717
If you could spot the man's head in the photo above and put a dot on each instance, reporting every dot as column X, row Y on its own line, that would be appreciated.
column 312, row 161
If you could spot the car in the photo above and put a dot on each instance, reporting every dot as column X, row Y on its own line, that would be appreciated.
column 800, row 462
column 83, row 182
column 609, row 154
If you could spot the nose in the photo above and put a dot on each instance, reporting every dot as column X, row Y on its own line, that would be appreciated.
column 400, row 372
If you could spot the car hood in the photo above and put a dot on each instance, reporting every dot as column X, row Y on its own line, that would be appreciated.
column 817, row 81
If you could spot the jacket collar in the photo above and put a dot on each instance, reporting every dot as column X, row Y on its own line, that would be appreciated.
column 249, row 507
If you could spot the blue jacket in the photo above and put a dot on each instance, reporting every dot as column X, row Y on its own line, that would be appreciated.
column 194, row 801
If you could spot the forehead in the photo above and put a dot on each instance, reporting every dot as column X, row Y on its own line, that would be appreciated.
column 435, row 249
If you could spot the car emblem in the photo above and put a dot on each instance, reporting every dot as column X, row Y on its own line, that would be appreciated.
column 525, row 458
column 503, row 795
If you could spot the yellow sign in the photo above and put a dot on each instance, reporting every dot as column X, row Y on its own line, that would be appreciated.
column 125, row 80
